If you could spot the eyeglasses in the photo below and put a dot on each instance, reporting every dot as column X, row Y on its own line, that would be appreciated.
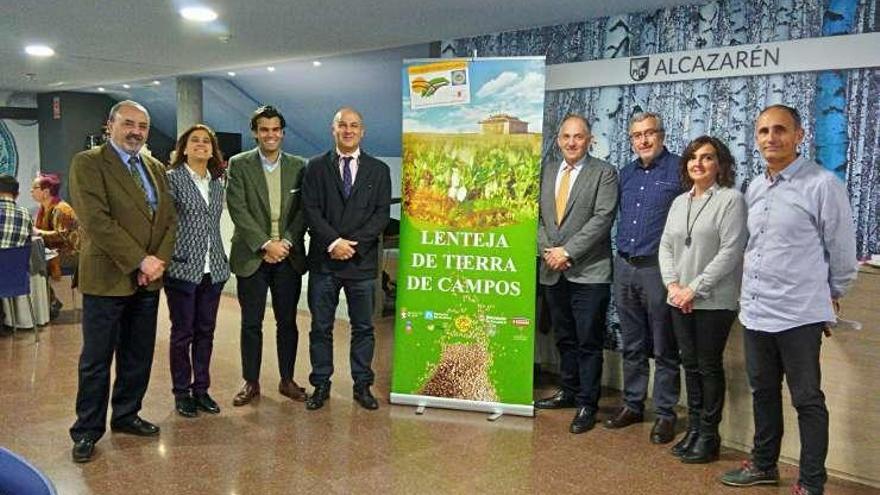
column 649, row 133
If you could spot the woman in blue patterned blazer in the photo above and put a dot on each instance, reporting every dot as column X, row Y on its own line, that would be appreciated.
column 199, row 267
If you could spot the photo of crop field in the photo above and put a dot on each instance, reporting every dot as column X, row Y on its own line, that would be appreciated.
column 475, row 181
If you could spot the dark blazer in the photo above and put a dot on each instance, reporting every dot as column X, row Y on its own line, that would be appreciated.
column 247, row 196
column 585, row 231
column 120, row 230
column 362, row 217
column 198, row 226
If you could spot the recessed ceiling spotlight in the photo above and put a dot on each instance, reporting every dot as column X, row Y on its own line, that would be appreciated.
column 39, row 51
column 156, row 83
column 101, row 89
column 270, row 68
column 230, row 74
column 316, row 63
column 126, row 86
column 198, row 14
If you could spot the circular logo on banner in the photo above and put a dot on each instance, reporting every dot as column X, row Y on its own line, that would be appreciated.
column 8, row 153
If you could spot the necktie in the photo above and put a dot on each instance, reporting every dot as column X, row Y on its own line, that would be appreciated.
column 136, row 176
column 562, row 194
column 346, row 176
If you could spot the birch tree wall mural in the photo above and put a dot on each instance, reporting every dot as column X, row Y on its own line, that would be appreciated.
column 840, row 109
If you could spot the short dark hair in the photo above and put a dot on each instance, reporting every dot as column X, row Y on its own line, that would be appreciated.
column 8, row 185
column 726, row 164
column 52, row 182
column 795, row 115
column 266, row 112
column 215, row 163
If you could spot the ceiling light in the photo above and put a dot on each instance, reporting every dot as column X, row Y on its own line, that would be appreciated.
column 231, row 74
column 198, row 14
column 39, row 51
column 270, row 69
column 156, row 83
column 316, row 63
column 126, row 86
column 101, row 89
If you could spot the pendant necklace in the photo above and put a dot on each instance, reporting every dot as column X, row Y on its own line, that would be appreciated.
column 690, row 226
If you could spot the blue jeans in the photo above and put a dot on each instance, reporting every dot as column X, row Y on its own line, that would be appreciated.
column 646, row 331
column 323, row 298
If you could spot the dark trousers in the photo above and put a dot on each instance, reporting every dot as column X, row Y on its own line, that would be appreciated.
column 193, row 319
column 323, row 299
column 795, row 354
column 125, row 327
column 646, row 331
column 577, row 313
column 285, row 284
column 701, row 336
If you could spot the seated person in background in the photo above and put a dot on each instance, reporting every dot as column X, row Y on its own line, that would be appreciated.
column 56, row 223
column 16, row 226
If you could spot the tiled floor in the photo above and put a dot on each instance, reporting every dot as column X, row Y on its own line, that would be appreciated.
column 276, row 446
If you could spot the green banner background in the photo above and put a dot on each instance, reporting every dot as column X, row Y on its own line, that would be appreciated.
column 465, row 303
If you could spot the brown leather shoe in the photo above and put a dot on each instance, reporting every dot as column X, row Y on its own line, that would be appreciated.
column 249, row 391
column 623, row 418
column 290, row 389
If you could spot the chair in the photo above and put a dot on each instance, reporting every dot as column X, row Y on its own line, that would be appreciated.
column 70, row 270
column 17, row 475
column 16, row 281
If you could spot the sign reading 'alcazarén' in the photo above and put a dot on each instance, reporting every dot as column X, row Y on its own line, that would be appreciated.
column 805, row 55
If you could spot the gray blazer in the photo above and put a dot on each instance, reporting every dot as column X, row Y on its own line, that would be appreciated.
column 197, row 222
column 585, row 231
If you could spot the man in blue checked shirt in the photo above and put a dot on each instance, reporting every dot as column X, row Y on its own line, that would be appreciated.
column 799, row 261
column 648, row 185
column 16, row 225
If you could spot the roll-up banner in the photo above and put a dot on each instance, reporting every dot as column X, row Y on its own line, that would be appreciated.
column 464, row 328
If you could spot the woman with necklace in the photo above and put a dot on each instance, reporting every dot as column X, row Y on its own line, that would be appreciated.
column 701, row 256
column 199, row 267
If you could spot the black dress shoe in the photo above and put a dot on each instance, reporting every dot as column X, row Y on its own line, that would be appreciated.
column 624, row 418
column 706, row 450
column 686, row 442
column 583, row 421
column 83, row 450
column 559, row 400
column 137, row 426
column 204, row 402
column 186, row 406
column 318, row 397
column 363, row 397
column 663, row 430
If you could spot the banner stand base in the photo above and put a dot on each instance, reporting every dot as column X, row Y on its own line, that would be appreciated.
column 495, row 409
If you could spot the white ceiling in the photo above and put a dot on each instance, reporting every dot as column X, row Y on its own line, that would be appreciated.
column 107, row 42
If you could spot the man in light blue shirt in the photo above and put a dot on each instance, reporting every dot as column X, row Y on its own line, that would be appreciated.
column 799, row 261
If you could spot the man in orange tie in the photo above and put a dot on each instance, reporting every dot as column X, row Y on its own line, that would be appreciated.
column 578, row 204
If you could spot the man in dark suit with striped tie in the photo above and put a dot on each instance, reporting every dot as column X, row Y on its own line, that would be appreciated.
column 346, row 198
column 128, row 219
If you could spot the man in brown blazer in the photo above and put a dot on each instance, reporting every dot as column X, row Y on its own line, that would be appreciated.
column 128, row 221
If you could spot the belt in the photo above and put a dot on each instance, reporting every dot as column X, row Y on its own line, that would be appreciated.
column 640, row 261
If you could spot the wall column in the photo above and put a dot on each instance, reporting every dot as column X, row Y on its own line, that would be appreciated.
column 189, row 102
